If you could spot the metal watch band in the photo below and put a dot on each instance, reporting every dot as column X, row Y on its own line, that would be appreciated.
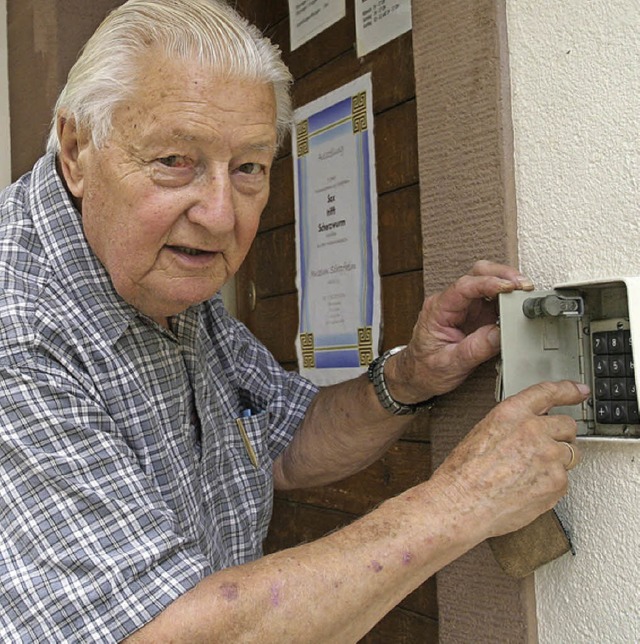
column 376, row 376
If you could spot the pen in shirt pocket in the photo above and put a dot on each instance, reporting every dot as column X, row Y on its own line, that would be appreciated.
column 246, row 413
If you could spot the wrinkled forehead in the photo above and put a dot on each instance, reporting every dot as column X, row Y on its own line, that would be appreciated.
column 159, row 77
column 155, row 60
column 185, row 102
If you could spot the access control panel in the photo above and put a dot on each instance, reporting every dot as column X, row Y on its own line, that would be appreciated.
column 582, row 332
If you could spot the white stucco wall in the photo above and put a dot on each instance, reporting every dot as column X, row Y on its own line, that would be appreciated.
column 5, row 144
column 575, row 70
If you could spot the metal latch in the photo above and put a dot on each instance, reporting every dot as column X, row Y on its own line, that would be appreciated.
column 553, row 306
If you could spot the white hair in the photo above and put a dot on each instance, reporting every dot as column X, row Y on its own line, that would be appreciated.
column 208, row 32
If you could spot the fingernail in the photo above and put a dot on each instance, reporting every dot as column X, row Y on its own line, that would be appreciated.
column 505, row 286
column 584, row 389
column 525, row 283
column 494, row 337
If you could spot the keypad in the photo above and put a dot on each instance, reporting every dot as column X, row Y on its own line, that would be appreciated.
column 616, row 401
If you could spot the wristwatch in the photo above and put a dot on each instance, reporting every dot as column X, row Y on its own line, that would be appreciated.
column 376, row 375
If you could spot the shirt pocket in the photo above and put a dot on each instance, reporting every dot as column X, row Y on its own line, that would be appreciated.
column 244, row 489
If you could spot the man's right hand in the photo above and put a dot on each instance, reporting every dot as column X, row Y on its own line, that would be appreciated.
column 508, row 470
column 512, row 466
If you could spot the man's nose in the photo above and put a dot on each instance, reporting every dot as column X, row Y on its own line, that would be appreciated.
column 213, row 206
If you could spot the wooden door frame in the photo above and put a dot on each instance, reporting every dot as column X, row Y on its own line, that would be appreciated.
column 468, row 212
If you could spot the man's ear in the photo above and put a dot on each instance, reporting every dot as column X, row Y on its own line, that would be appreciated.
column 74, row 142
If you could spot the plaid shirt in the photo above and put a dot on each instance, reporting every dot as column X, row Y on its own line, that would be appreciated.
column 124, row 478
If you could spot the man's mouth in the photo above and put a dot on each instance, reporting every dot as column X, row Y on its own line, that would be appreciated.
column 189, row 251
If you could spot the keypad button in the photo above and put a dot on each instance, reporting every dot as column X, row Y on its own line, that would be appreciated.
column 631, row 388
column 615, row 342
column 599, row 343
column 617, row 366
column 634, row 415
column 628, row 365
column 603, row 412
column 603, row 389
column 618, row 389
column 601, row 366
column 619, row 412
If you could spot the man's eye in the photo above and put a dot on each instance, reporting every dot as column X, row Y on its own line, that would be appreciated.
column 175, row 161
column 251, row 168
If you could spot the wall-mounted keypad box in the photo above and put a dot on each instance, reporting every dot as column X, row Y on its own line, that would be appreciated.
column 582, row 332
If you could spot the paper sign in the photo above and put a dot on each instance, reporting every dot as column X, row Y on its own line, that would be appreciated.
column 380, row 21
column 336, row 234
column 307, row 18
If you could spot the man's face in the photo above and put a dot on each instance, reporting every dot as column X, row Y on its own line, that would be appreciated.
column 171, row 204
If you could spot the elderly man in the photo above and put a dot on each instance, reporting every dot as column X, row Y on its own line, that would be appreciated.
column 134, row 502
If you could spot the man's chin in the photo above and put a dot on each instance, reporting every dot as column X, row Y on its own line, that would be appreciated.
column 160, row 308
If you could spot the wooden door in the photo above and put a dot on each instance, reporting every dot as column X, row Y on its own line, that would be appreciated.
column 44, row 38
column 319, row 66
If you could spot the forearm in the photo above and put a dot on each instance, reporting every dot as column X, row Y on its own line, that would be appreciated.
column 509, row 469
column 334, row 589
column 344, row 430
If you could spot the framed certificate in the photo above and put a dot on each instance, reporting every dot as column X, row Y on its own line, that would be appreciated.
column 336, row 234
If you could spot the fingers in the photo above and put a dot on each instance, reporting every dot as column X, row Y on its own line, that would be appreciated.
column 485, row 267
column 541, row 398
column 484, row 282
column 467, row 290
column 487, row 287
column 559, row 427
column 479, row 346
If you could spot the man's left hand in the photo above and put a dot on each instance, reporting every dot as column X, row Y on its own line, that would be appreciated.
column 456, row 331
